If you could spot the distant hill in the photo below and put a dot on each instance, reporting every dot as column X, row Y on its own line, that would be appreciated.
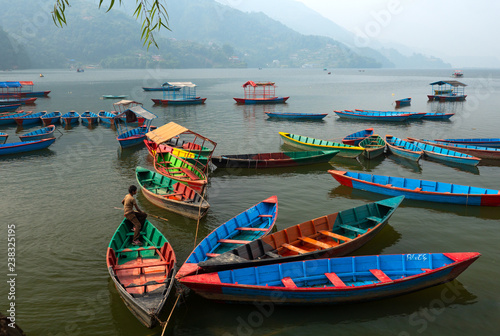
column 12, row 54
column 304, row 20
column 204, row 34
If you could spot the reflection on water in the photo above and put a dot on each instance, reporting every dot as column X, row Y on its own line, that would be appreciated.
column 483, row 212
column 371, row 164
column 465, row 168
column 410, row 165
column 317, row 168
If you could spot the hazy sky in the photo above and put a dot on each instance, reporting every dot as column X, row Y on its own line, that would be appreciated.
column 461, row 31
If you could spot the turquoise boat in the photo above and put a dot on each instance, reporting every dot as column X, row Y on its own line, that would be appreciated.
column 446, row 155
column 403, row 148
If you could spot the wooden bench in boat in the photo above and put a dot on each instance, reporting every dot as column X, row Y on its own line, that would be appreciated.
column 128, row 249
column 334, row 235
column 352, row 228
column 270, row 216
column 288, row 282
column 189, row 173
column 380, row 275
column 126, row 267
column 335, row 280
column 251, row 229
column 295, row 248
column 316, row 242
column 149, row 283
column 374, row 218
column 233, row 241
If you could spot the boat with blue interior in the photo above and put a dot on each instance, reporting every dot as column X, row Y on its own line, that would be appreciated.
column 451, row 90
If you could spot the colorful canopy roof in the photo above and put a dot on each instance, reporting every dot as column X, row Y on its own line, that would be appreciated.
column 170, row 130
column 181, row 84
column 451, row 82
column 10, row 85
column 254, row 84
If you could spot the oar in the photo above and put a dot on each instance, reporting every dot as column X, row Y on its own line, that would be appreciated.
column 148, row 214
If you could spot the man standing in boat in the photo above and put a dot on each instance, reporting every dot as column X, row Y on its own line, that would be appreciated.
column 138, row 217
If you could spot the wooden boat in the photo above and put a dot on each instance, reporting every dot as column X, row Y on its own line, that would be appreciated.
column 447, row 91
column 272, row 160
column 403, row 102
column 457, row 73
column 483, row 142
column 423, row 190
column 374, row 146
column 29, row 119
column 89, row 118
column 292, row 116
column 413, row 115
column 333, row 235
column 170, row 194
column 25, row 146
column 3, row 137
column 23, row 89
column 308, row 143
column 134, row 136
column 51, row 118
column 176, row 142
column 437, row 116
column 190, row 157
column 106, row 117
column 332, row 281
column 187, row 101
column 260, row 93
column 490, row 153
column 9, row 108
column 373, row 116
column 403, row 148
column 186, row 95
column 143, row 275
column 180, row 170
column 70, row 117
column 42, row 133
column 9, row 119
column 164, row 87
column 248, row 226
column 15, row 101
column 355, row 138
column 446, row 155
column 114, row 96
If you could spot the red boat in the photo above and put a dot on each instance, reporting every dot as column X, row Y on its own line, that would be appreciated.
column 260, row 93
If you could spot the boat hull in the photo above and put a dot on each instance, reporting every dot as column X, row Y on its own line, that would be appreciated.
column 309, row 144
column 403, row 149
column 44, row 133
column 274, row 100
column 28, row 146
column 490, row 153
column 444, row 98
column 272, row 160
column 193, row 101
column 300, row 116
column 373, row 117
column 487, row 142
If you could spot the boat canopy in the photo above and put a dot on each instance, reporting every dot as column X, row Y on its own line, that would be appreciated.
column 10, row 85
column 451, row 82
column 26, row 83
column 181, row 84
column 254, row 84
column 136, row 111
column 171, row 130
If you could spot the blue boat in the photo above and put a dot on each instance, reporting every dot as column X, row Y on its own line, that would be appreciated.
column 134, row 136
column 30, row 119
column 42, row 133
column 446, row 155
column 413, row 115
column 444, row 91
column 164, row 87
column 51, row 118
column 333, row 280
column 403, row 148
column 3, row 137
column 422, row 190
column 403, row 102
column 27, row 146
column 355, row 138
column 106, row 117
column 293, row 116
column 248, row 226
column 437, row 116
column 186, row 95
column 9, row 108
column 373, row 116
column 489, row 153
column 9, row 119
column 89, row 118
column 71, row 117
column 483, row 142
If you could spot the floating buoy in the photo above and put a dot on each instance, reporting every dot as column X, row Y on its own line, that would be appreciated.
column 41, row 75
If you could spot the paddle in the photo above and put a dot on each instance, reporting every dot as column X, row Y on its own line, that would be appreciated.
column 148, row 214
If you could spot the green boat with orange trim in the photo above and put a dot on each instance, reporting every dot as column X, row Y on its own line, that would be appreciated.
column 304, row 142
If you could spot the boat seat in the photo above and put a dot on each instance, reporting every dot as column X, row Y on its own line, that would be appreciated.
column 189, row 173
column 334, row 235
column 251, row 229
column 374, row 218
column 380, row 275
column 212, row 255
column 270, row 216
column 288, row 283
column 149, row 283
column 233, row 241
column 125, row 267
column 335, row 280
column 315, row 242
column 128, row 249
column 352, row 228
column 295, row 248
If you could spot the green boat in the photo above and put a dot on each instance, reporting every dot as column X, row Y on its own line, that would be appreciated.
column 143, row 275
column 374, row 146
column 308, row 143
column 170, row 194
column 180, row 170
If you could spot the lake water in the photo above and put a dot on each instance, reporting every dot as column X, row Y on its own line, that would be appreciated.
column 61, row 201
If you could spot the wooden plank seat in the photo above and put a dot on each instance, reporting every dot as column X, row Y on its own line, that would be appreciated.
column 270, row 216
column 374, row 218
column 126, row 267
column 352, row 228
column 128, row 249
column 212, row 255
column 288, row 282
column 149, row 283
column 335, row 280
column 233, row 241
column 315, row 242
column 295, row 248
column 380, row 275
column 251, row 229
column 334, row 235
column 189, row 173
